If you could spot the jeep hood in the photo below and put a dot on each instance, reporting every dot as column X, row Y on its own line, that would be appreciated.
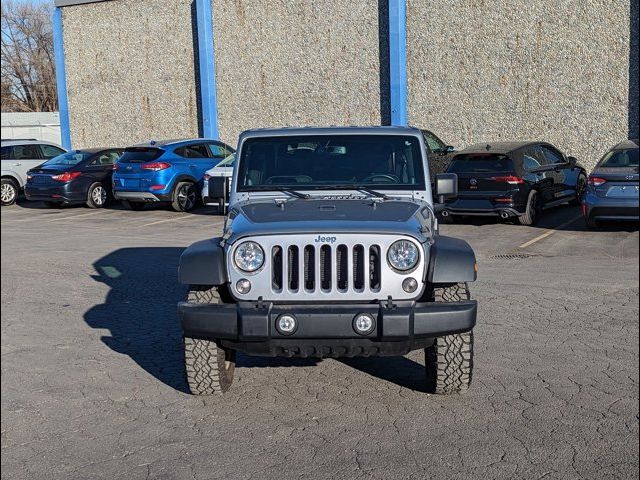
column 315, row 216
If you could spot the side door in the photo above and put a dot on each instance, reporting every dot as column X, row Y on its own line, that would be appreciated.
column 100, row 169
column 560, row 171
column 439, row 154
column 537, row 171
column 198, row 159
column 23, row 158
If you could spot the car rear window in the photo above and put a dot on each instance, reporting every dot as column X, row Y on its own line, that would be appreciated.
column 621, row 159
column 140, row 155
column 480, row 162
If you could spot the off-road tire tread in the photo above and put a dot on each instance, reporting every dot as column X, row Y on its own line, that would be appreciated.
column 207, row 373
column 449, row 361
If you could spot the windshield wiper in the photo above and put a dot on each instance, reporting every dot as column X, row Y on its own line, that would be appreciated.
column 374, row 193
column 360, row 188
column 294, row 193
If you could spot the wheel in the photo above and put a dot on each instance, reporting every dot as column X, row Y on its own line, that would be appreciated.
column 581, row 187
column 133, row 205
column 184, row 197
column 209, row 368
column 97, row 196
column 9, row 191
column 534, row 209
column 449, row 361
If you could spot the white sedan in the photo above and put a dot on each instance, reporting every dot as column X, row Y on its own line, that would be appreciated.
column 215, row 188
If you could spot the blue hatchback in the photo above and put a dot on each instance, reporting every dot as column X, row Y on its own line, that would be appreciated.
column 169, row 171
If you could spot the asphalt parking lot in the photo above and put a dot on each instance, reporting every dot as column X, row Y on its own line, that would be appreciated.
column 92, row 376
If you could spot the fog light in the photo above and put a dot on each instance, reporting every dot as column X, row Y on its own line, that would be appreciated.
column 243, row 286
column 286, row 324
column 410, row 285
column 364, row 324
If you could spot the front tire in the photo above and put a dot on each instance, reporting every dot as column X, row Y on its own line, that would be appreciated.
column 449, row 361
column 534, row 210
column 97, row 196
column 8, row 191
column 209, row 367
column 581, row 187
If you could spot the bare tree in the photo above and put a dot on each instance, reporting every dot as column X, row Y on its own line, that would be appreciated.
column 28, row 71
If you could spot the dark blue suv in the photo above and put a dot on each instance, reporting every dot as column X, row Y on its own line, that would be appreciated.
column 168, row 171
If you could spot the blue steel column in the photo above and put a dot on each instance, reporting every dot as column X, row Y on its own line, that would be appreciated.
column 398, row 61
column 207, row 69
column 61, row 78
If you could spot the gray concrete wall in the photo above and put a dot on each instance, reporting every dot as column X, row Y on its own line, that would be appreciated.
column 488, row 70
column 296, row 62
column 130, row 71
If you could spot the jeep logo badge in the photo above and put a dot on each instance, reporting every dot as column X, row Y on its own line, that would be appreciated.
column 323, row 239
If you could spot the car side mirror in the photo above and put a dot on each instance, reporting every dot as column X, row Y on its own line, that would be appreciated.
column 217, row 187
column 573, row 161
column 449, row 149
column 446, row 186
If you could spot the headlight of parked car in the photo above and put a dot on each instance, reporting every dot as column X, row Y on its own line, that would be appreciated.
column 403, row 255
column 249, row 256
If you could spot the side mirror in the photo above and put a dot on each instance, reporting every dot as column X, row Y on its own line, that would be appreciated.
column 218, row 187
column 446, row 186
column 573, row 161
column 449, row 149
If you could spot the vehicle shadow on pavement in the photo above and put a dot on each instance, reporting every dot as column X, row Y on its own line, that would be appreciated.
column 140, row 309
column 402, row 371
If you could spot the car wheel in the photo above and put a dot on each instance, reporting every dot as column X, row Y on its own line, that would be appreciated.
column 97, row 196
column 8, row 191
column 534, row 210
column 137, row 206
column 209, row 367
column 449, row 361
column 581, row 187
column 185, row 197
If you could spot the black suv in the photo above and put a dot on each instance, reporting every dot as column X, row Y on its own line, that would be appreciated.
column 514, row 180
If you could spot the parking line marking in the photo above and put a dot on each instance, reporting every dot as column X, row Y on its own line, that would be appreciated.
column 549, row 233
column 73, row 216
column 174, row 219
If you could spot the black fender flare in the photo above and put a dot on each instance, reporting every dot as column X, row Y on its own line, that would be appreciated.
column 452, row 260
column 203, row 263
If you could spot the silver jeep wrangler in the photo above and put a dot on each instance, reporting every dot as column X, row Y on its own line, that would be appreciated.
column 330, row 249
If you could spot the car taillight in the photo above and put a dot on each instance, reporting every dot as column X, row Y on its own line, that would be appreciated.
column 155, row 166
column 510, row 179
column 116, row 166
column 597, row 181
column 66, row 176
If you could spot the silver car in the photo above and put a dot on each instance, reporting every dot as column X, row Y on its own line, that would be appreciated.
column 215, row 188
column 19, row 156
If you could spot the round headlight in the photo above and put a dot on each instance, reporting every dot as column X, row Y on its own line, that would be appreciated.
column 249, row 256
column 403, row 255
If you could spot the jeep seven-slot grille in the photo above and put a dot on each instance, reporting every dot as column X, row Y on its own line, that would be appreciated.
column 326, row 268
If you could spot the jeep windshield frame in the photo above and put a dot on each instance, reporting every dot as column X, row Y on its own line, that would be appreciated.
column 331, row 162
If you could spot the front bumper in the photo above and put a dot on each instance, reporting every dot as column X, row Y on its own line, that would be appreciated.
column 326, row 330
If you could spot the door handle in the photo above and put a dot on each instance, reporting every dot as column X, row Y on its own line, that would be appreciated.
column 193, row 165
column 17, row 164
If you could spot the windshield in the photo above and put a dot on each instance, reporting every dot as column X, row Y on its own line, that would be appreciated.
column 621, row 159
column 331, row 162
column 228, row 161
column 480, row 163
column 70, row 159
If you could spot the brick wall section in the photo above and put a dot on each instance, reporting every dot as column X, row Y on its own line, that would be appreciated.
column 296, row 63
column 130, row 71
column 488, row 70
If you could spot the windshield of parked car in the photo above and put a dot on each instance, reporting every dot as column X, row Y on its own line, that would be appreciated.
column 621, row 158
column 68, row 159
column 479, row 163
column 316, row 162
column 228, row 161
